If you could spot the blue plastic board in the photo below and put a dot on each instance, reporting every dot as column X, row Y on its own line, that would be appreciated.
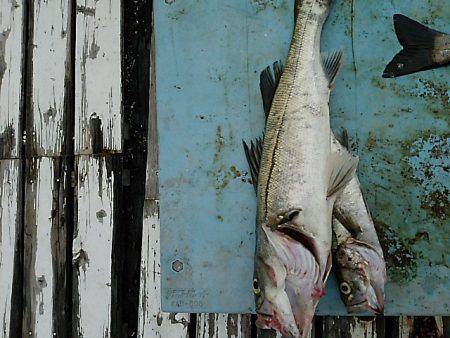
column 209, row 56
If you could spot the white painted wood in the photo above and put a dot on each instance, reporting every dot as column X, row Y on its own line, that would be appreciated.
column 11, row 24
column 92, row 247
column 363, row 329
column 98, row 75
column 439, row 326
column 50, row 66
column 9, row 230
column 223, row 325
column 153, row 323
column 38, row 276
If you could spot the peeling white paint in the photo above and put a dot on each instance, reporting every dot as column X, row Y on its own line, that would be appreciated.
column 11, row 24
column 41, row 285
column 51, row 33
column 153, row 323
column 92, row 246
column 9, row 224
column 98, row 74
column 363, row 328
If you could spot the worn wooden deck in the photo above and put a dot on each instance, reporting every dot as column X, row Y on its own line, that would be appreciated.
column 79, row 228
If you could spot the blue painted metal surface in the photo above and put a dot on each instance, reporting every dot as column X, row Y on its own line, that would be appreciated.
column 209, row 55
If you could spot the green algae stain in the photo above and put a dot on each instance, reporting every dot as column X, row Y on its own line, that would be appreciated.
column 427, row 163
column 398, row 253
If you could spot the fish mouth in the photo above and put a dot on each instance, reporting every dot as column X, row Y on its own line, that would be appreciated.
column 365, row 305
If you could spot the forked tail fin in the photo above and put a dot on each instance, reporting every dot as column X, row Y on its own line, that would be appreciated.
column 418, row 51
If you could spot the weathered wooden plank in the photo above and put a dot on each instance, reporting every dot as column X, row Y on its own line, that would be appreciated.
column 152, row 321
column 11, row 25
column 420, row 327
column 210, row 325
column 92, row 246
column 9, row 237
column 49, row 77
column 98, row 111
column 45, row 256
column 349, row 327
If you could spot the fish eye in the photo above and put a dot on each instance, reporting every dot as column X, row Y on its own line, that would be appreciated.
column 256, row 289
column 345, row 288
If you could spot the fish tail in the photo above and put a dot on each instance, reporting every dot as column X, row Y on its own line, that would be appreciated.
column 418, row 43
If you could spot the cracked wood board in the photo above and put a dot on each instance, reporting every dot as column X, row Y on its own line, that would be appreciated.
column 208, row 100
column 10, row 228
column 98, row 89
column 11, row 30
column 49, row 78
column 153, row 322
column 92, row 245
column 45, row 259
column 223, row 325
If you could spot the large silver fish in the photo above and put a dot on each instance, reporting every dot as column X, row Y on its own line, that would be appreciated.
column 298, row 181
column 358, row 257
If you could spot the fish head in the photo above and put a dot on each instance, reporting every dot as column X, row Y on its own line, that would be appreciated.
column 361, row 275
column 286, row 284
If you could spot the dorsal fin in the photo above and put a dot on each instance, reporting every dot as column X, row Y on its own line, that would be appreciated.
column 268, row 83
column 331, row 65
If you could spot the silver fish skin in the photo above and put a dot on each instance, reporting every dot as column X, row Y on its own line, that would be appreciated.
column 298, row 181
column 358, row 258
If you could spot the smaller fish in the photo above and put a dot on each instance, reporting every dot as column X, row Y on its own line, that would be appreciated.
column 423, row 48
column 360, row 271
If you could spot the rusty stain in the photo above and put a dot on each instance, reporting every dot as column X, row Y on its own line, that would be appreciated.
column 400, row 258
column 3, row 37
column 88, row 11
column 371, row 143
column 235, row 172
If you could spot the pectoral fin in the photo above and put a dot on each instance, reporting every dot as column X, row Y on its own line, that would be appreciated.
column 343, row 167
